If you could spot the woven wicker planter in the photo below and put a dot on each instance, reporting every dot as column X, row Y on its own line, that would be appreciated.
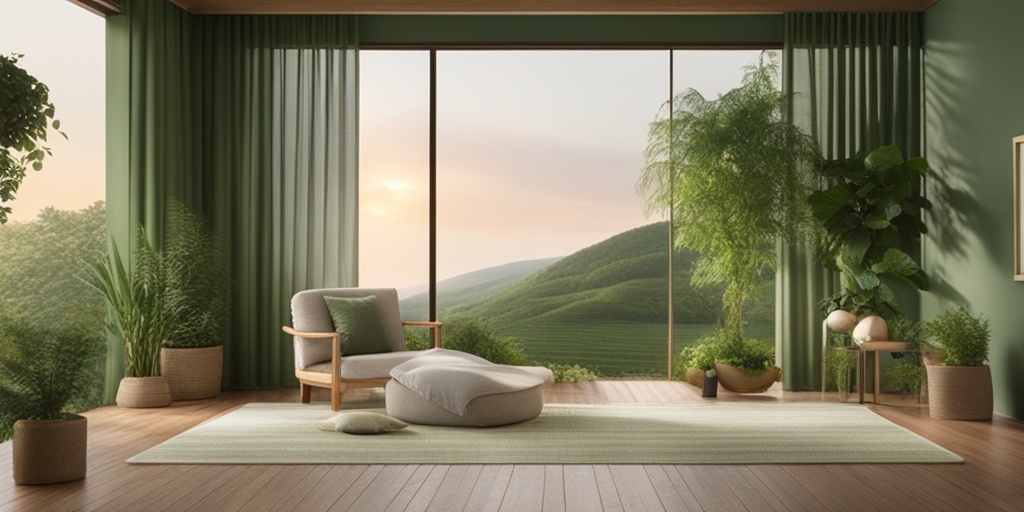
column 143, row 392
column 738, row 381
column 192, row 373
column 959, row 392
column 49, row 451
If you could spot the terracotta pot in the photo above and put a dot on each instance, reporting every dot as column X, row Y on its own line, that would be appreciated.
column 738, row 381
column 143, row 392
column 50, row 451
column 192, row 373
column 959, row 392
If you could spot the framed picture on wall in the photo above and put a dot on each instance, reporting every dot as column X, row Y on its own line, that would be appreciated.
column 1018, row 221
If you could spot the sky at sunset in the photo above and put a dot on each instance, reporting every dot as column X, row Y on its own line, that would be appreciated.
column 538, row 151
column 63, row 47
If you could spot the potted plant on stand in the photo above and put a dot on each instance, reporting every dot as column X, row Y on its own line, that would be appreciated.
column 960, row 388
column 872, row 207
column 137, row 316
column 43, row 371
column 196, row 305
column 734, row 175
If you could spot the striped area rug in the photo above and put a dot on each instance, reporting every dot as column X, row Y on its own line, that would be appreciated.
column 707, row 433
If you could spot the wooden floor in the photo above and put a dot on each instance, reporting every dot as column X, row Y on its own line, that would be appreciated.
column 991, row 479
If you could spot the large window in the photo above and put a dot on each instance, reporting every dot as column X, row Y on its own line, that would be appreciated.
column 540, row 232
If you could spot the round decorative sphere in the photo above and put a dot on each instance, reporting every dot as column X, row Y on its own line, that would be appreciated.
column 871, row 328
column 841, row 321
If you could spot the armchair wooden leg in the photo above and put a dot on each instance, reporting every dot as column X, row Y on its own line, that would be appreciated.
column 305, row 392
column 335, row 399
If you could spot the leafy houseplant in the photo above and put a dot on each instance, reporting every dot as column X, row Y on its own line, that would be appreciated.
column 961, row 387
column 25, row 116
column 734, row 174
column 871, row 209
column 44, row 369
column 195, row 303
column 136, row 300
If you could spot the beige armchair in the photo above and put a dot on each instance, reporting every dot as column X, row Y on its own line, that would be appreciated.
column 318, row 349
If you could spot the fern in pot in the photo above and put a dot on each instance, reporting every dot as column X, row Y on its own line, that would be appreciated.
column 960, row 388
column 195, row 304
column 44, row 370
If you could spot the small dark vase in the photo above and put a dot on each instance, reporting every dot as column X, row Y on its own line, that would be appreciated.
column 710, row 387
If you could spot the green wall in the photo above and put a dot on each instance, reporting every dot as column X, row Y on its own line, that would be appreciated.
column 974, row 106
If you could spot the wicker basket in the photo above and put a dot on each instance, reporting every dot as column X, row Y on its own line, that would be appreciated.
column 959, row 392
column 738, row 381
column 143, row 392
column 192, row 373
column 49, row 451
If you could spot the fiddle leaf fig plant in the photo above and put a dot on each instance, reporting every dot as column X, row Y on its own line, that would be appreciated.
column 26, row 114
column 871, row 209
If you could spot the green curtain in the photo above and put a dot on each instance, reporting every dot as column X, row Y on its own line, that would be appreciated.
column 855, row 80
column 252, row 120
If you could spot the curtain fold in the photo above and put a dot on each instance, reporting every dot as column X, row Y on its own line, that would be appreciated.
column 855, row 80
column 252, row 120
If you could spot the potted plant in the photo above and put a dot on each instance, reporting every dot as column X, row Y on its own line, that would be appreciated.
column 870, row 210
column 26, row 115
column 734, row 174
column 195, row 305
column 961, row 387
column 135, row 299
column 44, row 369
column 695, row 360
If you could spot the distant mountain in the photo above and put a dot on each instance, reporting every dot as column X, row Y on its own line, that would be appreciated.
column 473, row 286
column 624, row 278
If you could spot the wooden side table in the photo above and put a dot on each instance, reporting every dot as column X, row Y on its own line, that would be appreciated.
column 877, row 347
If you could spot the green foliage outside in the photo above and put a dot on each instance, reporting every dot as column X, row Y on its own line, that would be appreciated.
column 962, row 338
column 42, row 263
column 570, row 373
column 871, row 210
column 472, row 336
column 47, row 368
column 416, row 339
column 25, row 116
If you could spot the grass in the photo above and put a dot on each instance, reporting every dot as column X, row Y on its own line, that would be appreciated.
column 609, row 348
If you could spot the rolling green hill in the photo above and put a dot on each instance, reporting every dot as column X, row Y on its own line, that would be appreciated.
column 472, row 286
column 624, row 279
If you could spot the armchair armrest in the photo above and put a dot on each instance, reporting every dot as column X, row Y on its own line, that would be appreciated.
column 434, row 326
column 310, row 335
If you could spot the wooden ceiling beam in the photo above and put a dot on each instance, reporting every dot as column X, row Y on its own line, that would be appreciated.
column 101, row 7
column 543, row 6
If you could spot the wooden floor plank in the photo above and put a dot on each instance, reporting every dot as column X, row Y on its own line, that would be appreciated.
column 581, row 492
column 636, row 492
column 525, row 490
column 712, row 492
column 489, row 489
column 610, row 501
column 455, row 488
column 554, row 489
column 991, row 477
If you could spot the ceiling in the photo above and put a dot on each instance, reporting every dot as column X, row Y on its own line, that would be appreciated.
column 544, row 6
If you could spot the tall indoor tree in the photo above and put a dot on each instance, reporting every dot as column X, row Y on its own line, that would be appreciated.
column 734, row 173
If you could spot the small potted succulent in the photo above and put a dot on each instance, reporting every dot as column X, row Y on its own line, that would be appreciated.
column 44, row 370
column 960, row 388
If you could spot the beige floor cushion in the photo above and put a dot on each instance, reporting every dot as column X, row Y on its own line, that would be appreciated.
column 464, row 393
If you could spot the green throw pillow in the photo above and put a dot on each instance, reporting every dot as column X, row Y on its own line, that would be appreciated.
column 360, row 323
column 362, row 422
